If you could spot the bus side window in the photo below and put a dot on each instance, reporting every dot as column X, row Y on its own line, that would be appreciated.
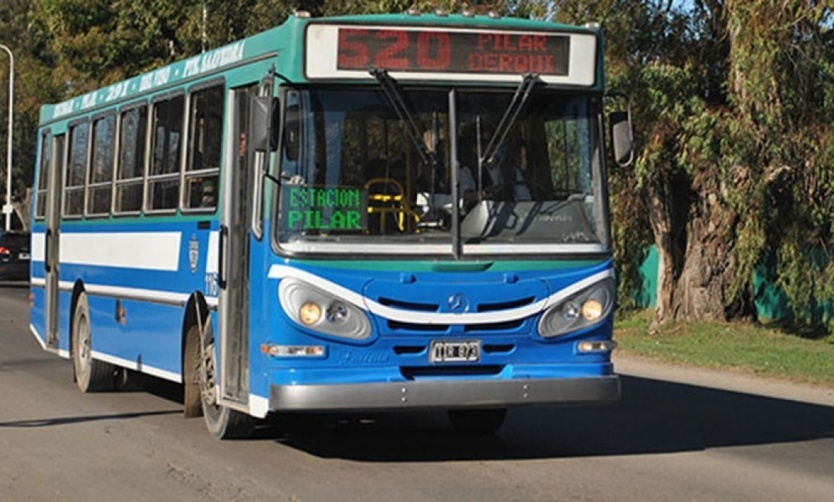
column 131, row 169
column 43, row 175
column 204, row 148
column 99, row 186
column 164, row 182
column 76, row 170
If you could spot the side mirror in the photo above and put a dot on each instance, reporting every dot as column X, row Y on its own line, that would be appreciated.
column 619, row 122
column 622, row 137
column 265, row 124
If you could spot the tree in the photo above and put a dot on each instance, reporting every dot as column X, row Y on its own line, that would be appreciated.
column 733, row 106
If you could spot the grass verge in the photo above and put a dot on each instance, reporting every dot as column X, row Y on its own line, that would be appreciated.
column 759, row 349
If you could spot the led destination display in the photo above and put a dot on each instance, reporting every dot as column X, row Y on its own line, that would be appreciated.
column 452, row 52
column 330, row 209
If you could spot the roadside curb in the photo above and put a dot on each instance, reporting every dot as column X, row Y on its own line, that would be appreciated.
column 729, row 380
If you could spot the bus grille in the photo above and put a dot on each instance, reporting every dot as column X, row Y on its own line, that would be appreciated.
column 417, row 372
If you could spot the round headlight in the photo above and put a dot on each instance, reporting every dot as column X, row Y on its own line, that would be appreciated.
column 309, row 313
column 570, row 311
column 337, row 313
column 592, row 310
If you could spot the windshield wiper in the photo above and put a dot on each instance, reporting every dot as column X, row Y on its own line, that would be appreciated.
column 520, row 98
column 395, row 99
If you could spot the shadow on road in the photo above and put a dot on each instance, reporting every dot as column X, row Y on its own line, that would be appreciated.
column 49, row 422
column 652, row 417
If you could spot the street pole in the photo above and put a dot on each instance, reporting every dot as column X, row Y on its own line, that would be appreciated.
column 7, row 208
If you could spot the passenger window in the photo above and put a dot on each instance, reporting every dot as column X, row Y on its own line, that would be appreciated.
column 131, row 172
column 76, row 170
column 43, row 175
column 164, row 179
column 99, row 187
column 204, row 148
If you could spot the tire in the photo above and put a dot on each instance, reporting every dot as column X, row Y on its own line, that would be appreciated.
column 90, row 375
column 477, row 422
column 191, row 398
column 222, row 422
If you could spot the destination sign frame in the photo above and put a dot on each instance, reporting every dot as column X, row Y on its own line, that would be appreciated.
column 430, row 53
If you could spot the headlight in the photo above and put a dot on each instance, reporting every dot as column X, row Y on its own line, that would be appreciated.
column 309, row 313
column 581, row 310
column 320, row 311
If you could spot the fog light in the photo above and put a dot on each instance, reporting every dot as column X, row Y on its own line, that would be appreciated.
column 596, row 347
column 309, row 313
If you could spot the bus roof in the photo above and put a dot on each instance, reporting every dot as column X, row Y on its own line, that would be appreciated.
column 291, row 62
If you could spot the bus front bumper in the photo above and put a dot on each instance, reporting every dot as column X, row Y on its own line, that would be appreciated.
column 427, row 394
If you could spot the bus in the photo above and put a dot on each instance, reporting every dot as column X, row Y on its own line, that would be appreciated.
column 360, row 213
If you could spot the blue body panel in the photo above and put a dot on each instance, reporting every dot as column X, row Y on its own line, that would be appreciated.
column 151, row 302
column 398, row 352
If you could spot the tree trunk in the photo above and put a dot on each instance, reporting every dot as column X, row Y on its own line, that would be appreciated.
column 668, row 202
column 704, row 290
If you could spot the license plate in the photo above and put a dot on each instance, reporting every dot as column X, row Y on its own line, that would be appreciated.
column 466, row 351
column 23, row 256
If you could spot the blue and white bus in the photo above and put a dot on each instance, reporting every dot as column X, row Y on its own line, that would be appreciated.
column 390, row 212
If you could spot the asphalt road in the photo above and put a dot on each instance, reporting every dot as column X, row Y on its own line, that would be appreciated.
column 676, row 435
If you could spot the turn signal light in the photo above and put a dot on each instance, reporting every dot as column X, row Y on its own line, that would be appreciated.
column 292, row 350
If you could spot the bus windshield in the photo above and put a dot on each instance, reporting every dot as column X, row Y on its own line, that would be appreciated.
column 361, row 174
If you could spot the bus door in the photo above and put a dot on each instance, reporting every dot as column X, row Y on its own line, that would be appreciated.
column 52, row 242
column 233, row 307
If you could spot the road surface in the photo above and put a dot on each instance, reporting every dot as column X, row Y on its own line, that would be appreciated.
column 682, row 435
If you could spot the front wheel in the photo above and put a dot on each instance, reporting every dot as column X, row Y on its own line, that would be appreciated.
column 477, row 422
column 90, row 374
column 221, row 421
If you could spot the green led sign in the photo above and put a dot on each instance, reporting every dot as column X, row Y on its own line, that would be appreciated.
column 324, row 209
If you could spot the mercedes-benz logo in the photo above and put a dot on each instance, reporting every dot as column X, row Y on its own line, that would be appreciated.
column 458, row 303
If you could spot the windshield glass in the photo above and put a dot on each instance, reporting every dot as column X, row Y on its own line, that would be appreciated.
column 360, row 175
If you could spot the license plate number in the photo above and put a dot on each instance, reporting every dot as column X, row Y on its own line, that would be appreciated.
column 23, row 256
column 468, row 351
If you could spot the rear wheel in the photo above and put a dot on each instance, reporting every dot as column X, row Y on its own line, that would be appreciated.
column 90, row 374
column 477, row 422
column 221, row 421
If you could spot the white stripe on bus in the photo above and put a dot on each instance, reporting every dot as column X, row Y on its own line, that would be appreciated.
column 133, row 250
column 138, row 366
column 283, row 271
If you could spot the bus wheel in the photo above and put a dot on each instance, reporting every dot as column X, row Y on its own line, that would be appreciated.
column 90, row 374
column 221, row 421
column 477, row 422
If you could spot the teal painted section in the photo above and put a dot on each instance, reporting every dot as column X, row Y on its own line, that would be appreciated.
column 283, row 47
column 462, row 266
column 646, row 297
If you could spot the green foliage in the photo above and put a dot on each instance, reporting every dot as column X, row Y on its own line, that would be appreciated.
column 733, row 104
